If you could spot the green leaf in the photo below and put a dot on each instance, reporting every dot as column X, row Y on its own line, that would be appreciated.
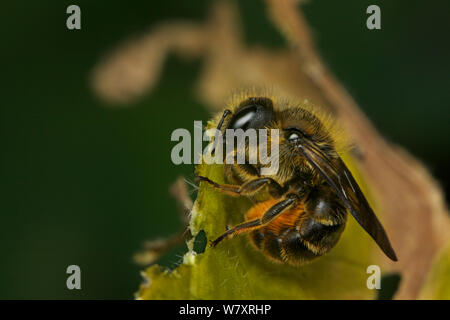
column 236, row 270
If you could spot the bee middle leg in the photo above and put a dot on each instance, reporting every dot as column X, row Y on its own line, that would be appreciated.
column 247, row 189
column 273, row 212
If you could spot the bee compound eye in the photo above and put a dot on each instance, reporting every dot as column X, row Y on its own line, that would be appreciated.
column 293, row 137
column 254, row 115
column 243, row 118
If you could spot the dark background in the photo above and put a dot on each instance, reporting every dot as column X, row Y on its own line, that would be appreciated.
column 85, row 184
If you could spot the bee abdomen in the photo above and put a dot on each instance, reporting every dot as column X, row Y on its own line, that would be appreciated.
column 295, row 250
column 297, row 245
column 287, row 246
column 267, row 242
column 319, row 237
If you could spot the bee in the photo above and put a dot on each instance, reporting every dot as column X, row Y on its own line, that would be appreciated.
column 300, row 212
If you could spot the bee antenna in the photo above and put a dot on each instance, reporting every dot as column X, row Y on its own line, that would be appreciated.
column 219, row 127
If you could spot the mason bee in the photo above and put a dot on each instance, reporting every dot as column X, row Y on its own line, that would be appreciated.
column 300, row 212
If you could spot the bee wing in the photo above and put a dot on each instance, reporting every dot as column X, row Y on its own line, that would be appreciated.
column 335, row 172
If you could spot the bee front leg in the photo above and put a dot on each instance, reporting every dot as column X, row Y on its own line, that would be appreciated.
column 247, row 189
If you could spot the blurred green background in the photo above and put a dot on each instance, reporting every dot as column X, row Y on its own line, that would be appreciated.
column 85, row 184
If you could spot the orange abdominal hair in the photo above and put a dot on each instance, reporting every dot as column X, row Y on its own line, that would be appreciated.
column 288, row 219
